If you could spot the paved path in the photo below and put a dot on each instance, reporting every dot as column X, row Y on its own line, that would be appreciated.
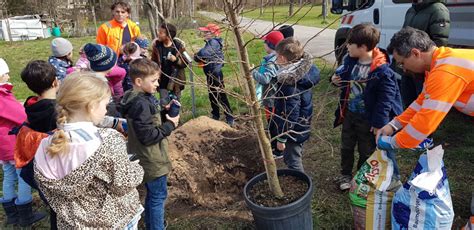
column 321, row 45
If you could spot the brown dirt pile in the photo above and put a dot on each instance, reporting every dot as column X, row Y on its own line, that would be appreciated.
column 211, row 163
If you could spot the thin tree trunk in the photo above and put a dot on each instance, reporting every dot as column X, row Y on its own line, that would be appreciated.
column 290, row 10
column 261, row 7
column 324, row 11
column 94, row 16
column 154, row 16
column 267, row 155
column 134, row 11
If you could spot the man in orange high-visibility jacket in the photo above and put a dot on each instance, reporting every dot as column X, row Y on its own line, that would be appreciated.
column 449, row 81
column 118, row 31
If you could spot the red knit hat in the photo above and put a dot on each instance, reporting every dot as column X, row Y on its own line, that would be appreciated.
column 211, row 27
column 274, row 37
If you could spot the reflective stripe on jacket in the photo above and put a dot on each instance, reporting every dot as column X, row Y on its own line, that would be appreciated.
column 110, row 34
column 450, row 82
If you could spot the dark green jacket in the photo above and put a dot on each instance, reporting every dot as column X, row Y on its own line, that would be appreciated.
column 147, row 133
column 431, row 16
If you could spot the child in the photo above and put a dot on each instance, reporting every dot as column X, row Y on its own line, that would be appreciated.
column 40, row 77
column 265, row 76
column 82, row 64
column 293, row 100
column 130, row 51
column 103, row 61
column 147, row 132
column 167, row 53
column 142, row 41
column 84, row 171
column 17, row 205
column 213, row 58
column 369, row 97
column 286, row 30
column 62, row 57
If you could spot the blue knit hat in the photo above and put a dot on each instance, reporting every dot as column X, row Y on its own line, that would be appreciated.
column 101, row 58
column 142, row 42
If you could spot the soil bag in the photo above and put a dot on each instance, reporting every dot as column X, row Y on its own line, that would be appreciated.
column 424, row 202
column 372, row 189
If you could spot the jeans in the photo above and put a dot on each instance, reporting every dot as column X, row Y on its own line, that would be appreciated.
column 11, row 176
column 155, row 203
column 355, row 131
column 292, row 155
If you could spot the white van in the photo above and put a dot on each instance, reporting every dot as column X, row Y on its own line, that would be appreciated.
column 388, row 17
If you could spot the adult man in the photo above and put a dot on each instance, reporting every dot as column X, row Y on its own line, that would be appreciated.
column 118, row 31
column 431, row 16
column 449, row 81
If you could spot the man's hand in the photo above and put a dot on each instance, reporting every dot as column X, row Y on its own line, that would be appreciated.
column 174, row 120
column 387, row 130
column 336, row 80
column 281, row 146
column 386, row 143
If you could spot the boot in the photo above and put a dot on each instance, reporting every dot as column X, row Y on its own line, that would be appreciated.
column 11, row 212
column 26, row 215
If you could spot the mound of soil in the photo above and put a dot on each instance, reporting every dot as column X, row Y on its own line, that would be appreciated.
column 211, row 163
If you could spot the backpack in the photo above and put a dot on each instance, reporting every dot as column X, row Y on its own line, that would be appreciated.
column 27, row 142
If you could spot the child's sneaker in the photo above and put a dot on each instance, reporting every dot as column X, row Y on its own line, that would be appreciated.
column 344, row 182
column 230, row 121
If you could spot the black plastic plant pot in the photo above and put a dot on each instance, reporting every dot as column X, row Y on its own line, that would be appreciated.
column 296, row 215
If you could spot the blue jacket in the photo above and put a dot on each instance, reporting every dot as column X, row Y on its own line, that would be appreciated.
column 265, row 76
column 212, row 56
column 381, row 96
column 61, row 66
column 293, row 100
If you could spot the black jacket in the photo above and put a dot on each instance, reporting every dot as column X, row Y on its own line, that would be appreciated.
column 147, row 133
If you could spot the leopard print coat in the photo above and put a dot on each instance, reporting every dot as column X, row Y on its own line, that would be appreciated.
column 101, row 193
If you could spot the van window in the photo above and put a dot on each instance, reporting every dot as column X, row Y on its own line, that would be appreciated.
column 402, row 1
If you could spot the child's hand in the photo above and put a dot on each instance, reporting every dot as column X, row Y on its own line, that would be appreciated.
column 168, row 106
column 281, row 146
column 172, row 58
column 336, row 80
column 174, row 120
column 374, row 130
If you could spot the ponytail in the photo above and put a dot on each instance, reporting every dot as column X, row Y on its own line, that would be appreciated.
column 59, row 142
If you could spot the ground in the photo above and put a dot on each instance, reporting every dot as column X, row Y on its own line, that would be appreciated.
column 222, row 159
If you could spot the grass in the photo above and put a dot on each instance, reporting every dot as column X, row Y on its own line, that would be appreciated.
column 307, row 15
column 331, row 208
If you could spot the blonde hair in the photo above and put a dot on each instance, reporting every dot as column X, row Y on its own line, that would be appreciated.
column 78, row 91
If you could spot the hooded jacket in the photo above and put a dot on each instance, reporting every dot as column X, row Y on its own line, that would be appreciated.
column 381, row 95
column 100, row 193
column 12, row 114
column 431, row 16
column 293, row 100
column 212, row 57
column 177, row 67
column 147, row 133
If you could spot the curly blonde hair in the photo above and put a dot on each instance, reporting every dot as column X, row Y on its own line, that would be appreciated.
column 78, row 92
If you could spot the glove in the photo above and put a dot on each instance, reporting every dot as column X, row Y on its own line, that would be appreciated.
column 387, row 143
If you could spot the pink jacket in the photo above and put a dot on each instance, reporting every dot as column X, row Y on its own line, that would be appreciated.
column 12, row 114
